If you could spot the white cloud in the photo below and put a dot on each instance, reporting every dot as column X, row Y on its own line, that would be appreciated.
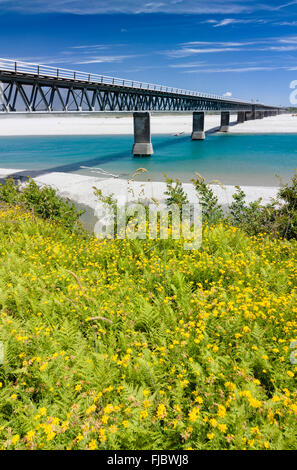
column 225, row 22
column 136, row 6
column 227, row 94
column 286, row 23
column 187, row 65
column 288, row 40
column 186, row 51
column 219, row 43
column 232, row 21
column 236, row 69
column 102, row 59
column 283, row 5
column 280, row 48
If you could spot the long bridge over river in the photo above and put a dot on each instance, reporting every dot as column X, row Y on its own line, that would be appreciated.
column 26, row 87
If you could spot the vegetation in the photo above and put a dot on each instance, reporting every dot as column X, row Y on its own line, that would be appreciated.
column 140, row 344
column 43, row 201
column 278, row 218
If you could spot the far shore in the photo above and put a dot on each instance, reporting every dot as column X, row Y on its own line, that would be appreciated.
column 31, row 124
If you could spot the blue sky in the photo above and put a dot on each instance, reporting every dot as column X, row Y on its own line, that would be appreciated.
column 244, row 47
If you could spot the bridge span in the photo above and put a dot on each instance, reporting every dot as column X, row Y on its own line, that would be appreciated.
column 40, row 88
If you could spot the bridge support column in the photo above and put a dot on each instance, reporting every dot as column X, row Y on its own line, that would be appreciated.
column 198, row 126
column 225, row 121
column 240, row 117
column 142, row 135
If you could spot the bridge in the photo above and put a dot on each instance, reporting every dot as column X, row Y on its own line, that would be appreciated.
column 40, row 88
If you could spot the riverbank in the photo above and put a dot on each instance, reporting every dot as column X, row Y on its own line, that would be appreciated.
column 80, row 188
column 22, row 124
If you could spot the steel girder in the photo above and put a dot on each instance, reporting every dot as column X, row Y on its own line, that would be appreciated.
column 21, row 93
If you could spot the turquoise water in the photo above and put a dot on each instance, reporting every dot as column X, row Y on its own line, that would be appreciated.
column 232, row 159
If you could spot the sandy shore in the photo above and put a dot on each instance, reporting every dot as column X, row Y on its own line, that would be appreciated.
column 99, row 124
column 80, row 188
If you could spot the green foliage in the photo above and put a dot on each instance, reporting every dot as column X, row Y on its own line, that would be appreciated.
column 109, row 200
column 43, row 201
column 175, row 192
column 140, row 344
column 278, row 218
column 287, row 220
column 238, row 207
column 211, row 210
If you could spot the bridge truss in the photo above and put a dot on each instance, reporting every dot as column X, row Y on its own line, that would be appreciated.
column 39, row 88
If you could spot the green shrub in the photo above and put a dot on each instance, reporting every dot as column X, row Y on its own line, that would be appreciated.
column 43, row 201
column 211, row 210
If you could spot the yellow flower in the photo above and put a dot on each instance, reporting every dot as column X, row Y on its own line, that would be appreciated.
column 109, row 408
column 65, row 426
column 90, row 409
column 210, row 435
column 43, row 366
column 30, row 435
column 143, row 414
column 213, row 422
column 222, row 427
column 93, row 444
column 161, row 411
column 50, row 436
column 78, row 387
column 42, row 411
column 102, row 436
column 104, row 419
column 254, row 402
column 15, row 439
column 193, row 414
column 221, row 411
column 256, row 430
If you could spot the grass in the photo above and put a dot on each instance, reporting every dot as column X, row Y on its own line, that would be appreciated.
column 132, row 344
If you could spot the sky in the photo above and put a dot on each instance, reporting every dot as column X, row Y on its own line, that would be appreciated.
column 243, row 48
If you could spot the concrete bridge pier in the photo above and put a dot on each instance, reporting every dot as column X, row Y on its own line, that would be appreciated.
column 240, row 117
column 198, row 126
column 225, row 121
column 250, row 115
column 142, row 135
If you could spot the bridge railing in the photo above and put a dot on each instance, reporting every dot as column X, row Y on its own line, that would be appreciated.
column 66, row 74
